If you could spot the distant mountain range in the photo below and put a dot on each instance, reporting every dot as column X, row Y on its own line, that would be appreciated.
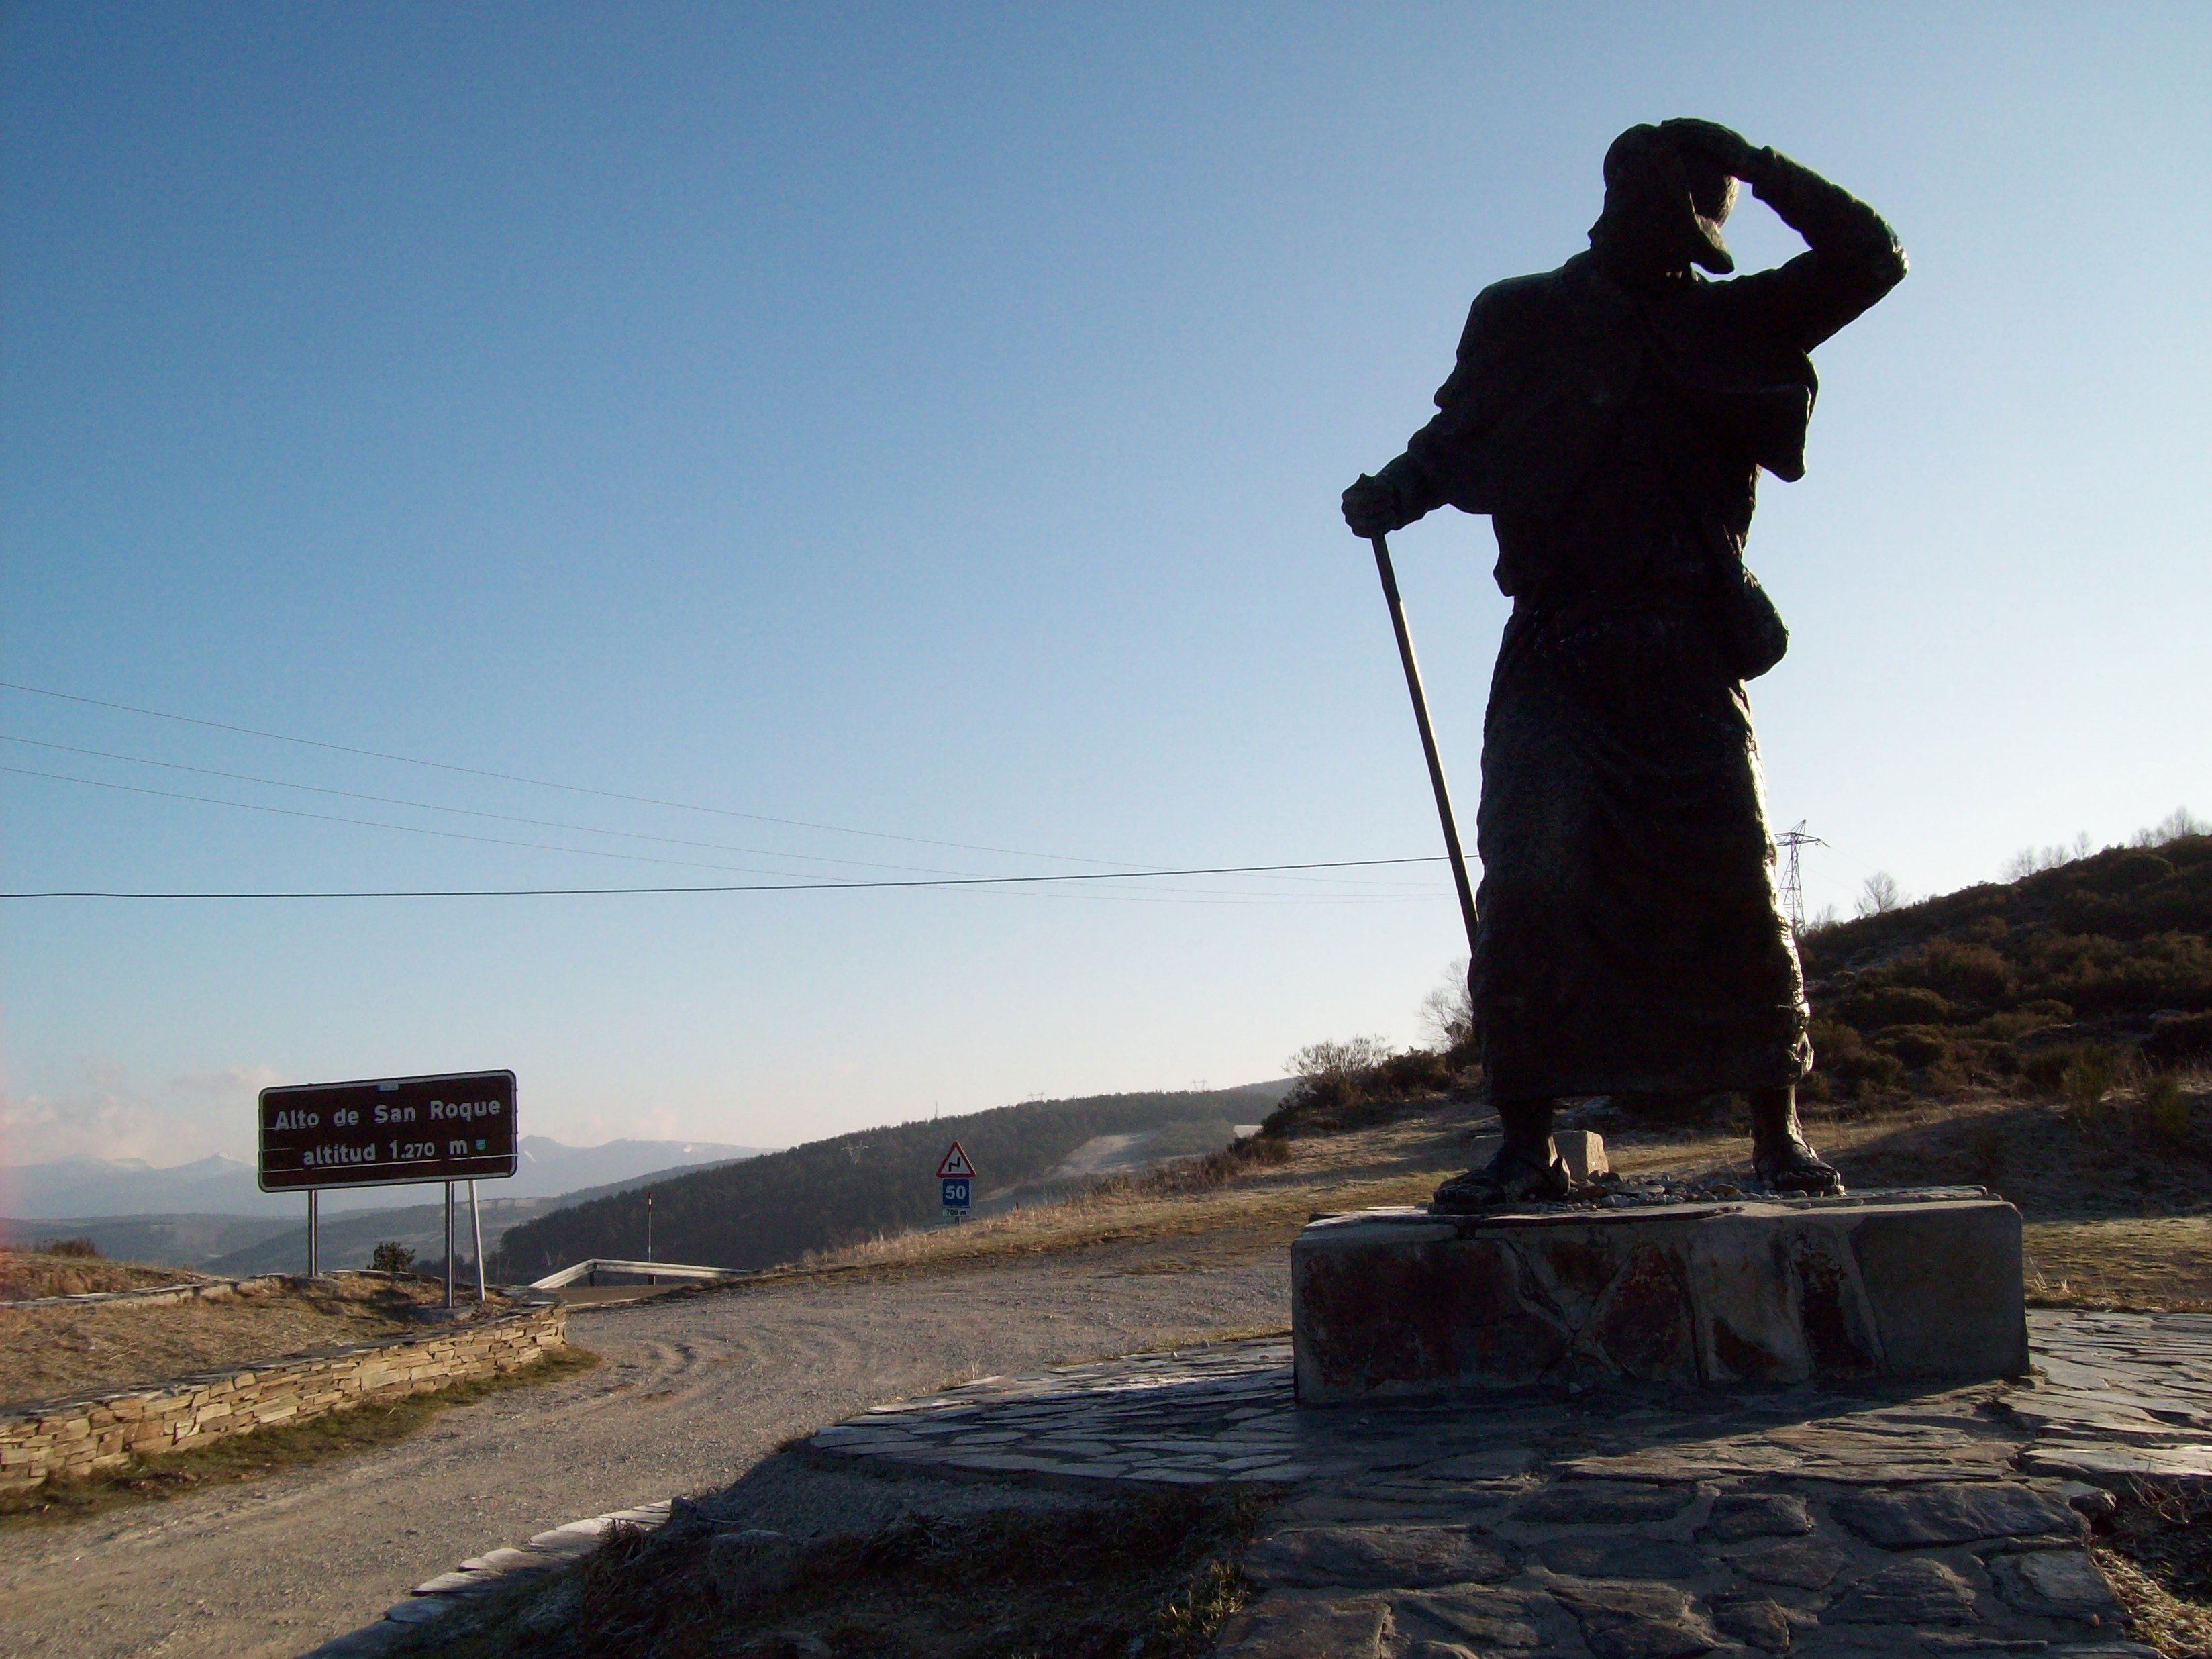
column 85, row 1188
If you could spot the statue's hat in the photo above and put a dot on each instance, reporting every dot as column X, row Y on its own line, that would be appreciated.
column 1659, row 184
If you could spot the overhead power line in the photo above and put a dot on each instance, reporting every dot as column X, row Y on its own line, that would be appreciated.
column 762, row 887
column 502, row 817
column 433, row 806
column 542, row 783
column 378, row 823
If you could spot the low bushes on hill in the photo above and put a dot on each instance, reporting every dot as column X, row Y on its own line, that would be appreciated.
column 1351, row 1085
column 2022, row 983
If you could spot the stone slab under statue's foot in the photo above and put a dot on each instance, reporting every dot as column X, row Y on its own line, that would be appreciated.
column 1915, row 1283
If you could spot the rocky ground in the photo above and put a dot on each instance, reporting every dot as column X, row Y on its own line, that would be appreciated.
column 694, row 1392
column 1876, row 1520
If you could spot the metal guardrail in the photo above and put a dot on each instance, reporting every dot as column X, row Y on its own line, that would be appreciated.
column 592, row 1269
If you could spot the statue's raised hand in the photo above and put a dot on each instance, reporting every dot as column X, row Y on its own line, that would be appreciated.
column 1370, row 508
column 1728, row 149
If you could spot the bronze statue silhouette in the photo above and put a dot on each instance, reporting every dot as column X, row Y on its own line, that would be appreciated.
column 1611, row 417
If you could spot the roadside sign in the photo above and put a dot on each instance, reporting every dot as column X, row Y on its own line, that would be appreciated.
column 387, row 1132
column 956, row 1193
column 955, row 1165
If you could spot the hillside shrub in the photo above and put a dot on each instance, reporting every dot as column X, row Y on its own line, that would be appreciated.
column 2166, row 1109
column 2012, row 1024
column 1846, row 1061
column 1880, row 1005
column 2125, row 872
column 391, row 1256
column 1338, row 1062
column 81, row 1249
column 1971, row 972
column 2041, row 1069
column 1919, row 1046
column 1449, row 1011
column 1204, row 1172
column 1352, row 1083
column 2088, row 1078
column 1999, row 1060
column 2175, row 1039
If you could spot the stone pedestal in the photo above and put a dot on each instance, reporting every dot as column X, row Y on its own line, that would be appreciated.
column 1400, row 1303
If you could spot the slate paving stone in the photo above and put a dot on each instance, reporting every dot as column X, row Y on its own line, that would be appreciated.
column 1306, row 1630
column 1619, row 1558
column 1960, row 1514
column 1738, row 1516
column 1593, row 1504
column 2062, row 1583
column 1636, row 1621
column 1383, row 1558
column 1918, row 1592
column 1489, row 1620
column 1762, row 1623
column 1802, row 1563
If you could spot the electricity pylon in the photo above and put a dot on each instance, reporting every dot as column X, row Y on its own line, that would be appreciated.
column 1793, row 891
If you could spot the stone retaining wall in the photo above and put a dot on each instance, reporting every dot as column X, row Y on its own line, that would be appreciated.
column 185, row 1289
column 74, row 1438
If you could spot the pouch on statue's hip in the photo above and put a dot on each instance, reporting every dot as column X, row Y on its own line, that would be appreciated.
column 1752, row 630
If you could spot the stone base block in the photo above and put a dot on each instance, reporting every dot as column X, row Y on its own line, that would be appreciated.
column 1400, row 1303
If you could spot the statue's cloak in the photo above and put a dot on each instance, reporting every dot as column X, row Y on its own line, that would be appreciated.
column 1630, row 940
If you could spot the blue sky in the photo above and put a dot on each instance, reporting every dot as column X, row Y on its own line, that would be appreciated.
column 928, row 421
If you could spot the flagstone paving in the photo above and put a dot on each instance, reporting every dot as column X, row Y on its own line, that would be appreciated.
column 1605, row 1526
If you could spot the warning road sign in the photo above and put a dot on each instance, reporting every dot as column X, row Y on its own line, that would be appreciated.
column 956, row 1166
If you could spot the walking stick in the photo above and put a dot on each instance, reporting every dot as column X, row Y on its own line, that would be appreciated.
column 1428, row 736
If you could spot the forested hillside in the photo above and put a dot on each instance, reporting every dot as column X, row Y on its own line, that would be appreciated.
column 2009, row 983
column 832, row 1192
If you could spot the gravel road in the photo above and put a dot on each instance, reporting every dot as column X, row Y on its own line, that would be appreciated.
column 692, row 1394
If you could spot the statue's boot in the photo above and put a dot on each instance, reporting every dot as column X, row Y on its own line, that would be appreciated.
column 1780, row 1155
column 1526, row 1167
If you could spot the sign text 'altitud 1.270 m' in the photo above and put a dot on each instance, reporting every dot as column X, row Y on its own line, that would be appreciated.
column 459, row 1126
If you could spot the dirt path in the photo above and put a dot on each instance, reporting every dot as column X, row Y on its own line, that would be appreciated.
column 692, row 1393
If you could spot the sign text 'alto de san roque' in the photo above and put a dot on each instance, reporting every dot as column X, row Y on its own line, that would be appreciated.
column 457, row 1127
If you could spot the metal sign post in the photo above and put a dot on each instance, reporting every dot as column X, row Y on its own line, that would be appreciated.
column 476, row 1226
column 391, row 1132
column 649, row 1278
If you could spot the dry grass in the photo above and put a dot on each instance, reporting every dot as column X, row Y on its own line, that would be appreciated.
column 2116, row 1216
column 2176, row 1629
column 25, row 1274
column 241, row 1457
column 2156, row 1548
column 93, row 1347
column 2162, row 1264
column 1252, row 1203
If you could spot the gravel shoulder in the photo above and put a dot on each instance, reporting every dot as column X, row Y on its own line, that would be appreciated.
column 693, row 1393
